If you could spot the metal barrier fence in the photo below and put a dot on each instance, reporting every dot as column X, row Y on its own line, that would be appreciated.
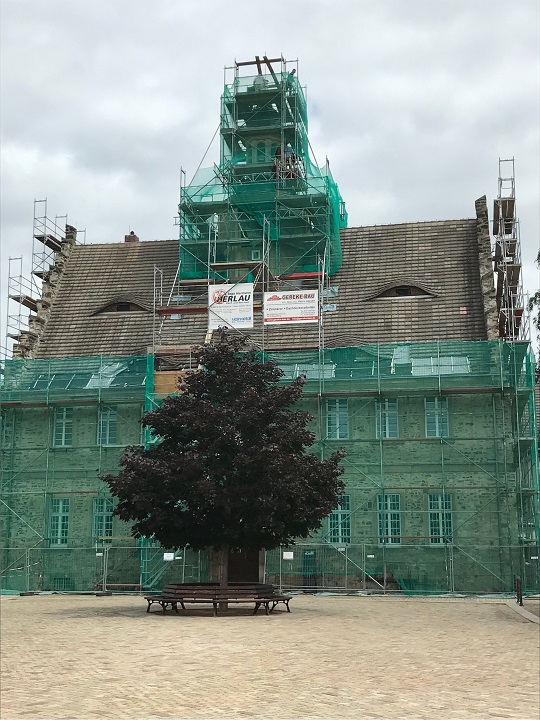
column 411, row 569
column 120, row 569
column 408, row 569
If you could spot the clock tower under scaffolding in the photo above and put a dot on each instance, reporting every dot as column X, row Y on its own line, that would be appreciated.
column 267, row 202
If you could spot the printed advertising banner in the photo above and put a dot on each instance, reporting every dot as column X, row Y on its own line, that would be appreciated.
column 230, row 305
column 285, row 308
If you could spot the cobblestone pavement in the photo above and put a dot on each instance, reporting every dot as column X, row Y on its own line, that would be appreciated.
column 86, row 657
column 533, row 606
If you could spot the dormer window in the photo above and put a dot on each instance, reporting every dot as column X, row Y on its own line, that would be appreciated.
column 121, row 305
column 402, row 290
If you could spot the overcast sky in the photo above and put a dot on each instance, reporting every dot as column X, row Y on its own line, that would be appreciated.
column 413, row 102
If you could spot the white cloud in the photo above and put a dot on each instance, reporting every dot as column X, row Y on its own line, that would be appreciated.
column 413, row 102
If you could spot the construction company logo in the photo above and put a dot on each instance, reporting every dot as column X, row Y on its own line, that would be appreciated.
column 305, row 296
column 230, row 306
column 218, row 296
column 286, row 308
column 222, row 296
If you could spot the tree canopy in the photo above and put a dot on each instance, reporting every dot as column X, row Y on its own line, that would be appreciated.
column 230, row 466
column 534, row 308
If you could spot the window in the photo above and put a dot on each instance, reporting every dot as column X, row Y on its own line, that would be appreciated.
column 63, row 427
column 399, row 291
column 59, row 521
column 337, row 419
column 125, row 305
column 387, row 418
column 255, row 254
column 261, row 152
column 447, row 365
column 339, row 522
column 389, row 520
column 103, row 520
column 436, row 417
column 107, row 425
column 440, row 519
column 6, row 429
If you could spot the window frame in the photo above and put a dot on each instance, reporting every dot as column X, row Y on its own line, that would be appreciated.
column 339, row 522
column 388, row 516
column 108, row 422
column 437, row 414
column 383, row 415
column 62, row 427
column 341, row 430
column 7, row 428
column 442, row 517
column 59, row 521
column 102, row 520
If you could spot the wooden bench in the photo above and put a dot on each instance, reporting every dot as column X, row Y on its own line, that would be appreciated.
column 212, row 593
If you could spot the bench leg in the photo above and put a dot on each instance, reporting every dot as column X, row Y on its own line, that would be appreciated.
column 257, row 606
column 266, row 609
column 175, row 606
column 215, row 605
column 149, row 603
column 287, row 604
column 274, row 604
column 182, row 604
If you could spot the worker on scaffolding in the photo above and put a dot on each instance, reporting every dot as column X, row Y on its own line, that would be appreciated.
column 290, row 162
column 285, row 165
column 289, row 82
column 277, row 167
column 260, row 83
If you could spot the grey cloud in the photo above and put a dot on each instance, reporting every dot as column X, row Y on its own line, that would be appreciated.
column 413, row 102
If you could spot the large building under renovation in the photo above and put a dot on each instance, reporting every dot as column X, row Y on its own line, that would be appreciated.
column 417, row 363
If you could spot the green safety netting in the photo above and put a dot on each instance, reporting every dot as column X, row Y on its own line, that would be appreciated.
column 265, row 183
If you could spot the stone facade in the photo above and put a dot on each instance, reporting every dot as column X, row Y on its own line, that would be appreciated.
column 473, row 457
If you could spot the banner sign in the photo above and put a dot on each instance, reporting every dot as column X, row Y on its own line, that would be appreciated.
column 285, row 308
column 230, row 306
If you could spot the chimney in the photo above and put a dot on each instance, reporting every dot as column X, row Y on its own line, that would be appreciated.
column 71, row 234
column 131, row 237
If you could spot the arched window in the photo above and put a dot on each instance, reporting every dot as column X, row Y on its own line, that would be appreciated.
column 261, row 152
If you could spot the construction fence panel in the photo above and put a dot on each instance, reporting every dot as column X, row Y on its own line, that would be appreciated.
column 98, row 569
column 371, row 568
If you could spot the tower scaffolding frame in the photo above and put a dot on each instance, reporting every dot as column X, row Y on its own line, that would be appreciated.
column 507, row 256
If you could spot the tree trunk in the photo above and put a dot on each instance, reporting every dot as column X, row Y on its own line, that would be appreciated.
column 224, row 579
column 219, row 569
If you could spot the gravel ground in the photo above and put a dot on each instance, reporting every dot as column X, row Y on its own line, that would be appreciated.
column 86, row 657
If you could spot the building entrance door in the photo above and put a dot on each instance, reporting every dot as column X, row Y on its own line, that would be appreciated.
column 244, row 566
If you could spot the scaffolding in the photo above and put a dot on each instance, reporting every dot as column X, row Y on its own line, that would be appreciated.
column 452, row 508
column 507, row 256
column 266, row 182
column 25, row 293
column 438, row 435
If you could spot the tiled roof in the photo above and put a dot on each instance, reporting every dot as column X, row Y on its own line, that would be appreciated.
column 439, row 257
column 95, row 276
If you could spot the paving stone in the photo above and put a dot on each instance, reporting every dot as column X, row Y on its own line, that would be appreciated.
column 82, row 657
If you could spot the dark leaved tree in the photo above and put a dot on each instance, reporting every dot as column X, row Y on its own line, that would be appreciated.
column 230, row 470
column 534, row 308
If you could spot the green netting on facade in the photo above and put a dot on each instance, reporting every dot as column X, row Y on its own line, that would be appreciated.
column 266, row 184
column 441, row 472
